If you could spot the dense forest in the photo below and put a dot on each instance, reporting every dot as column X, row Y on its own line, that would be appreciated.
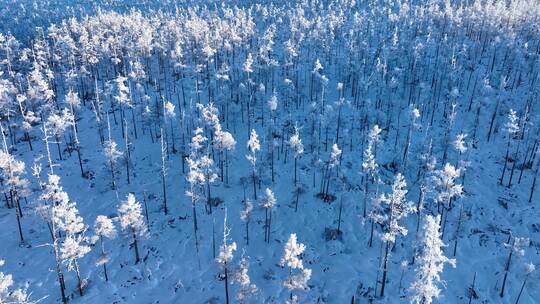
column 341, row 151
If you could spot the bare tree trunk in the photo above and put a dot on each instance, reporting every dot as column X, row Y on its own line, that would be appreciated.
column 506, row 269
column 471, row 293
column 385, row 268
column 522, row 287
column 226, row 285
column 163, row 182
column 79, row 280
column 136, row 248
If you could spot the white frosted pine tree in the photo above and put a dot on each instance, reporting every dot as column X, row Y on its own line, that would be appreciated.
column 388, row 212
column 446, row 189
column 248, row 64
column 430, row 261
column 132, row 221
column 7, row 294
column 253, row 145
column 195, row 177
column 66, row 218
column 516, row 245
column 512, row 128
column 169, row 115
column 57, row 123
column 225, row 256
column 58, row 216
column 225, row 143
column 163, row 171
column 206, row 165
column 73, row 249
column 247, row 289
column 369, row 169
column 111, row 154
column 374, row 138
column 74, row 102
column 333, row 162
column 104, row 228
column 16, row 185
column 268, row 202
column 298, row 275
column 245, row 216
column 122, row 97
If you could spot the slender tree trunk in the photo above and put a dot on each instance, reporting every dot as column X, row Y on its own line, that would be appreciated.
column 506, row 269
column 247, row 231
column 17, row 212
column 79, row 280
column 533, row 186
column 136, row 248
column 163, row 182
column 269, row 225
column 265, row 223
column 226, row 285
column 146, row 210
column 254, row 185
column 471, row 293
column 522, row 287
column 505, row 163
column 457, row 230
column 385, row 268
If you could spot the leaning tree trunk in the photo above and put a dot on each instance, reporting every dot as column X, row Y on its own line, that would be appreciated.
column 385, row 268
column 506, row 269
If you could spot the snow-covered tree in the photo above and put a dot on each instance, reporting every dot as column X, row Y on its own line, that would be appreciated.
column 104, row 228
column 529, row 269
column 369, row 169
column 112, row 154
column 73, row 249
column 247, row 289
column 13, row 179
column 516, row 246
column 64, row 217
column 132, row 221
column 512, row 129
column 169, row 115
column 163, row 171
column 459, row 143
column 374, row 138
column 414, row 116
column 296, row 145
column 430, row 261
column 333, row 162
column 72, row 99
column 248, row 64
column 56, row 211
column 8, row 294
column 388, row 211
column 245, row 216
column 298, row 275
column 196, row 177
column 57, row 124
column 225, row 256
column 122, row 97
column 253, row 146
column 335, row 156
column 268, row 202
column 225, row 143
column 206, row 165
column 445, row 188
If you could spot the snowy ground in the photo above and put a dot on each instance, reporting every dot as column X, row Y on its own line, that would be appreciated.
column 172, row 272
